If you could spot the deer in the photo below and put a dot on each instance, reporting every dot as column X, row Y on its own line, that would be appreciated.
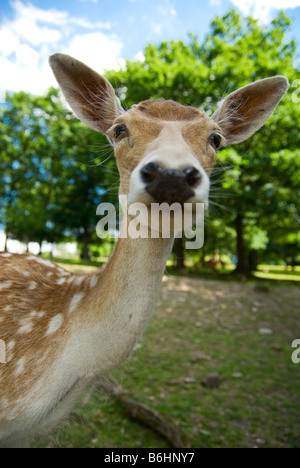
column 61, row 331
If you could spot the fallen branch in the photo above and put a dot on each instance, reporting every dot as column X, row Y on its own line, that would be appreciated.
column 162, row 425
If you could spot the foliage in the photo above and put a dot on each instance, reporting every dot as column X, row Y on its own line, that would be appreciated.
column 51, row 177
column 51, row 182
column 260, row 178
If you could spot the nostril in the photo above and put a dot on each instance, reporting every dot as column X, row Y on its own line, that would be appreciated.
column 192, row 176
column 149, row 172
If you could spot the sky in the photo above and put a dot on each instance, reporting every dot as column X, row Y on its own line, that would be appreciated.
column 104, row 33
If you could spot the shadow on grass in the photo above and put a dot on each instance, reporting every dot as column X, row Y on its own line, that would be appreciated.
column 264, row 275
column 261, row 276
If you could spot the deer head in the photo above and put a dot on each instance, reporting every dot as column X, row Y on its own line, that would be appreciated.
column 165, row 151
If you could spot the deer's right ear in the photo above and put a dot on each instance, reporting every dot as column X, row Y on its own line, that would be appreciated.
column 90, row 95
column 246, row 110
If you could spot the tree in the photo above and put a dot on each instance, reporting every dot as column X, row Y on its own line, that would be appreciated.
column 52, row 179
column 51, row 183
column 236, row 52
column 259, row 163
column 22, row 142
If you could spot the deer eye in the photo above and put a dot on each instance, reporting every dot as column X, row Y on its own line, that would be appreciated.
column 215, row 140
column 120, row 131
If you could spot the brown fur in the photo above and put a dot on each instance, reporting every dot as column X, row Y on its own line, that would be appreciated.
column 33, row 297
column 168, row 110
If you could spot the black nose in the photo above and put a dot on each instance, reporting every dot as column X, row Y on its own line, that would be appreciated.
column 170, row 185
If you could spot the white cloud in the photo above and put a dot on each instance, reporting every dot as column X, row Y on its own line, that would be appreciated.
column 263, row 9
column 156, row 28
column 166, row 9
column 163, row 18
column 139, row 56
column 33, row 33
column 28, row 30
column 96, row 50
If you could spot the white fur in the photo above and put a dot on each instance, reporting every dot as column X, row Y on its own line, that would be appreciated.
column 54, row 324
column 169, row 142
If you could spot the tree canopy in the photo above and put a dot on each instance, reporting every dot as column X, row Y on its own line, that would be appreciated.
column 53, row 170
column 254, row 187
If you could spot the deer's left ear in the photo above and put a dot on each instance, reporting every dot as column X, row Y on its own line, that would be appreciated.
column 90, row 95
column 246, row 110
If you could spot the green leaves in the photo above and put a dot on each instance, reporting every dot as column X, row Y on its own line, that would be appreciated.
column 259, row 178
column 50, row 180
column 51, row 183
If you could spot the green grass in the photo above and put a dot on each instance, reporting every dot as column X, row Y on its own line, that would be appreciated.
column 278, row 273
column 258, row 402
column 270, row 273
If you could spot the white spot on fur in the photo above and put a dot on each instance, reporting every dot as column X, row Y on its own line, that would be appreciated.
column 61, row 281
column 43, row 262
column 20, row 367
column 7, row 308
column 63, row 272
column 79, row 280
column 26, row 325
column 93, row 281
column 32, row 285
column 75, row 301
column 5, row 285
column 10, row 345
column 9, row 356
column 54, row 324
column 36, row 314
column 9, row 350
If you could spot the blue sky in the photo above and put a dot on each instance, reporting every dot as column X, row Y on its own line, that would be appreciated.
column 104, row 33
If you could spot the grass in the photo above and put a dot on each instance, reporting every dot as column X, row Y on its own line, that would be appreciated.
column 265, row 272
column 199, row 327
column 278, row 273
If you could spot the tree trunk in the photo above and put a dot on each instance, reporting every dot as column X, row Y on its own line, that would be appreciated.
column 40, row 247
column 242, row 266
column 252, row 260
column 179, row 253
column 85, row 252
column 5, row 241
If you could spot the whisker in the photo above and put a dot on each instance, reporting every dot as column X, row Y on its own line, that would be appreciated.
column 113, row 186
column 217, row 182
column 222, row 195
column 99, row 164
column 232, row 210
column 219, row 169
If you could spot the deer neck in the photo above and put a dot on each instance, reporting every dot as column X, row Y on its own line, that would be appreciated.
column 121, row 304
